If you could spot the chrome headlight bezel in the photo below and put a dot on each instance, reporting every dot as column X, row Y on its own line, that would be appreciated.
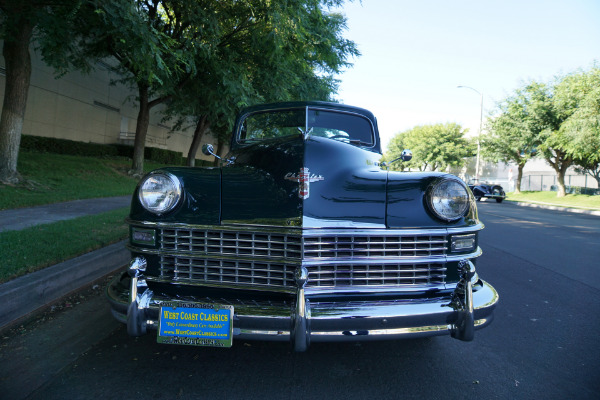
column 449, row 199
column 164, row 196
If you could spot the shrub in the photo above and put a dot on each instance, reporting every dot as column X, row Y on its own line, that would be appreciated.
column 74, row 148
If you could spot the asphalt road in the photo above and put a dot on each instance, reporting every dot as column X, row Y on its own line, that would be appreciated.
column 542, row 344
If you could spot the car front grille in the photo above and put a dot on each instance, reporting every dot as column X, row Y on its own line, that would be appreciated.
column 218, row 271
column 377, row 275
column 246, row 244
column 374, row 246
column 268, row 260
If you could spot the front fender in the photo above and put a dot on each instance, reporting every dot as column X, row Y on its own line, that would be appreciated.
column 407, row 205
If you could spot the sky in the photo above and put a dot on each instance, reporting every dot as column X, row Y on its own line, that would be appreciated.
column 415, row 54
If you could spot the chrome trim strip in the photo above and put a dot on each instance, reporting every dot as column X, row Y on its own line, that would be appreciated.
column 379, row 232
column 372, row 290
column 225, row 285
column 467, row 229
column 365, row 242
column 311, row 231
column 309, row 261
column 388, row 334
column 387, row 260
column 316, row 223
column 317, row 261
column 316, row 290
column 353, row 336
column 232, row 227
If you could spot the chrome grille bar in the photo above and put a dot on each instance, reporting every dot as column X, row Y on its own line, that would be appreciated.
column 368, row 275
column 232, row 243
column 231, row 272
column 333, row 258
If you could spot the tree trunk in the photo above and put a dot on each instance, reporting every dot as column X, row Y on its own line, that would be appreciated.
column 560, row 181
column 201, row 127
column 18, row 75
column 562, row 164
column 597, row 177
column 141, row 130
column 519, row 178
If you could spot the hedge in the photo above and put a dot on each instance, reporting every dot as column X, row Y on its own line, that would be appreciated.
column 74, row 148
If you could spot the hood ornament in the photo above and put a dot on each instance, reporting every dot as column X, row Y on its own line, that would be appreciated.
column 304, row 178
column 305, row 134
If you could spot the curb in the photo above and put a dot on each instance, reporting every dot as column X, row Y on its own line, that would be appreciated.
column 24, row 295
column 554, row 208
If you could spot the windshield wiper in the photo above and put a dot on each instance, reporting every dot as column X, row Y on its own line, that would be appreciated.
column 359, row 142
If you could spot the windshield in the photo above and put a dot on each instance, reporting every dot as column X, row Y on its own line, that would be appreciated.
column 349, row 128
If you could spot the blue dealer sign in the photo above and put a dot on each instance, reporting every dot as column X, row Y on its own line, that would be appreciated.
column 196, row 324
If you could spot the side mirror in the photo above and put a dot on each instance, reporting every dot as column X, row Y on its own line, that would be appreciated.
column 405, row 156
column 209, row 150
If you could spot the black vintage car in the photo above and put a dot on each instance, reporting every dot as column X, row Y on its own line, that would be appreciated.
column 485, row 190
column 300, row 235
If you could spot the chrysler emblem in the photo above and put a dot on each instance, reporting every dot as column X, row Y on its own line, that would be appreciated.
column 304, row 178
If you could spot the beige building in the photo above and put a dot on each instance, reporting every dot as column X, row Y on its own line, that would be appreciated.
column 88, row 108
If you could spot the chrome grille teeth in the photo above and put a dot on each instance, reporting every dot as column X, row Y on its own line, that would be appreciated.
column 269, row 259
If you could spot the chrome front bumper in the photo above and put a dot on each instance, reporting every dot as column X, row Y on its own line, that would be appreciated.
column 303, row 321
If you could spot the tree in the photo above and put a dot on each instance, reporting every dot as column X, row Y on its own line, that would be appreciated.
column 210, row 101
column 434, row 147
column 48, row 23
column 266, row 51
column 514, row 134
column 548, row 116
column 578, row 97
column 156, row 44
column 530, row 122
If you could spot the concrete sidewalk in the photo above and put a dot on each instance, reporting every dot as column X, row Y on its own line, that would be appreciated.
column 586, row 211
column 21, row 218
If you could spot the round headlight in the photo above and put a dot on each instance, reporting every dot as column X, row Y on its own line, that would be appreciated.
column 449, row 199
column 159, row 192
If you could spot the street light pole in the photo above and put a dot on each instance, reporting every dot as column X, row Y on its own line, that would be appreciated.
column 477, row 161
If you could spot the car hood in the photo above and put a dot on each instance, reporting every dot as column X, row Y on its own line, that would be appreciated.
column 313, row 183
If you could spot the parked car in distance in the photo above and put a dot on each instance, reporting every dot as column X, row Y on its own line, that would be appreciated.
column 484, row 190
column 301, row 235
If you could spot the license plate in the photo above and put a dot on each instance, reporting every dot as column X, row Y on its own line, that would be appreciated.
column 195, row 324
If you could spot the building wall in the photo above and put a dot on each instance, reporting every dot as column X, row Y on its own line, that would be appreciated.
column 89, row 108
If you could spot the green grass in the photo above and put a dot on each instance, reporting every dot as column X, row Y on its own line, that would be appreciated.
column 35, row 248
column 570, row 200
column 52, row 178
